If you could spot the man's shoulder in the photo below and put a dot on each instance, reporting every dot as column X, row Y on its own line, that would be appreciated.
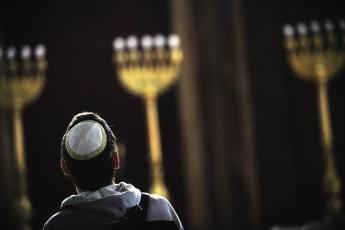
column 66, row 219
column 54, row 220
column 157, row 199
column 158, row 203
column 161, row 211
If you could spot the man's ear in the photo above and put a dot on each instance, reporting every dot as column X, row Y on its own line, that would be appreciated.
column 64, row 168
column 116, row 160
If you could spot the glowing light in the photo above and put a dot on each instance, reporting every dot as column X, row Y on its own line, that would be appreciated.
column 119, row 44
column 40, row 51
column 174, row 41
column 11, row 52
column 329, row 26
column 288, row 30
column 132, row 42
column 159, row 40
column 315, row 27
column 146, row 42
column 302, row 28
column 26, row 52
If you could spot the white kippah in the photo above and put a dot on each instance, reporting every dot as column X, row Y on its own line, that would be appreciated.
column 85, row 140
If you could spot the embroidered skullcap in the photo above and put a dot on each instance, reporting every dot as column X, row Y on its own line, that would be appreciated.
column 85, row 140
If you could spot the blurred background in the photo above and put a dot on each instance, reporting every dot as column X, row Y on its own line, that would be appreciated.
column 240, row 132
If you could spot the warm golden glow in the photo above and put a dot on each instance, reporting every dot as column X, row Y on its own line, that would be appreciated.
column 318, row 55
column 146, row 73
column 20, row 84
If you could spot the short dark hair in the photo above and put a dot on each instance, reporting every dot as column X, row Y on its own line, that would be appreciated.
column 96, row 172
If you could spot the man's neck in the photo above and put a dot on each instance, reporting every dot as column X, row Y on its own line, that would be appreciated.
column 80, row 190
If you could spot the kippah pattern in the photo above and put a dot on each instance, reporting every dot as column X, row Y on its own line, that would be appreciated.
column 85, row 140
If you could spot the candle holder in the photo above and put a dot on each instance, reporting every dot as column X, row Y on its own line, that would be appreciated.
column 21, row 82
column 317, row 54
column 146, row 73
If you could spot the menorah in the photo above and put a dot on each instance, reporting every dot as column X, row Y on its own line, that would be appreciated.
column 146, row 73
column 21, row 82
column 318, row 55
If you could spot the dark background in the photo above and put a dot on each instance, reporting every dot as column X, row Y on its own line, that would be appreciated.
column 81, row 77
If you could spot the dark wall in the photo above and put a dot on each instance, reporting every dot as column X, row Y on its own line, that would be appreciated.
column 81, row 77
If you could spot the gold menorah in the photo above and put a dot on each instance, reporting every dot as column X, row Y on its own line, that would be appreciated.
column 20, row 84
column 318, row 55
column 147, row 73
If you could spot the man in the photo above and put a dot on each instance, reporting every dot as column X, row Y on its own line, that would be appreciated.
column 89, row 156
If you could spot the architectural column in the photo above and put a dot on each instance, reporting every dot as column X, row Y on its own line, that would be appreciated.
column 216, row 116
column 193, row 146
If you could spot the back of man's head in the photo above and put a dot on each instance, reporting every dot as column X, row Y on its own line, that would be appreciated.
column 88, row 148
